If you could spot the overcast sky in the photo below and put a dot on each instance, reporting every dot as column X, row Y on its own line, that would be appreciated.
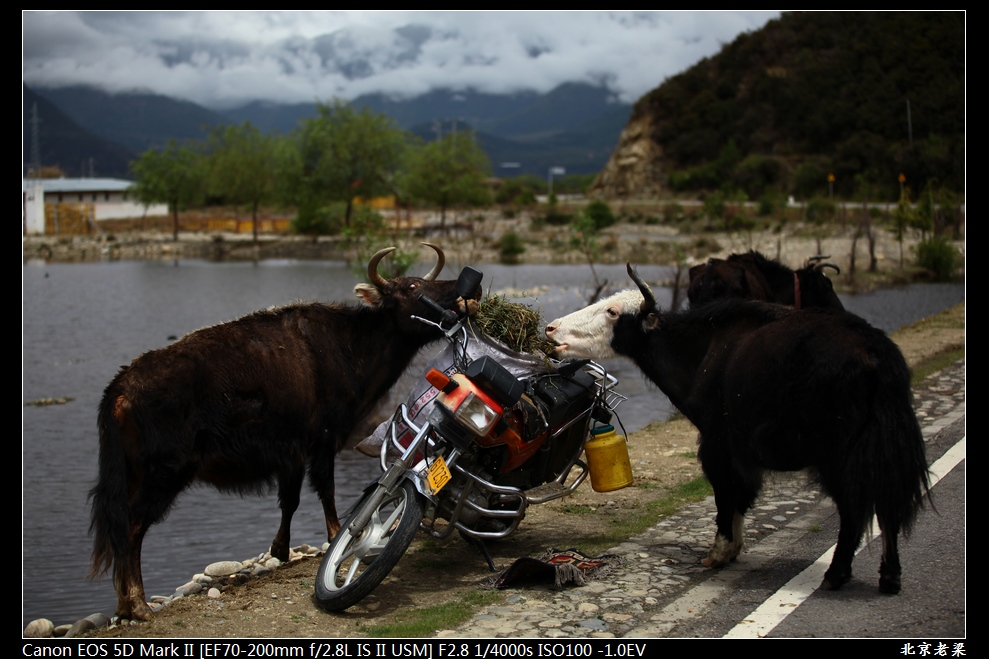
column 224, row 59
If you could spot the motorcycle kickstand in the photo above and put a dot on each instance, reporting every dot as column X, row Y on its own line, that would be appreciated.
column 477, row 542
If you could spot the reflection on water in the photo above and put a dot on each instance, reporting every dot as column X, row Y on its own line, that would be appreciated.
column 83, row 321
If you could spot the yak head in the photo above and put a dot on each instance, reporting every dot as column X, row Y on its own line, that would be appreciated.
column 737, row 276
column 402, row 294
column 816, row 289
column 752, row 276
column 600, row 330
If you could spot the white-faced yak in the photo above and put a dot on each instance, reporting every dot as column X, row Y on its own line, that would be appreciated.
column 773, row 388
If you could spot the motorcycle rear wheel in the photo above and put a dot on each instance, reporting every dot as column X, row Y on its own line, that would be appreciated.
column 354, row 565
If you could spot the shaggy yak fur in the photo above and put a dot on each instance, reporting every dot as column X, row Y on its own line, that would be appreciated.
column 752, row 276
column 247, row 406
column 773, row 388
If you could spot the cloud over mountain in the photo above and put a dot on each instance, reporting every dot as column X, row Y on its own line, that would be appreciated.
column 224, row 59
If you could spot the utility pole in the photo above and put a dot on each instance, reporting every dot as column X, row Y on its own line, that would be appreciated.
column 559, row 171
column 909, row 124
column 35, row 142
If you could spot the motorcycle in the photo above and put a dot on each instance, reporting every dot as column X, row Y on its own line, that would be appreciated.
column 470, row 453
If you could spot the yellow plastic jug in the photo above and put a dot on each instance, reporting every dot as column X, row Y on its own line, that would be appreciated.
column 607, row 460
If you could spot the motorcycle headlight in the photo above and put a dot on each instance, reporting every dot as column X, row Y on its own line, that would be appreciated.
column 477, row 415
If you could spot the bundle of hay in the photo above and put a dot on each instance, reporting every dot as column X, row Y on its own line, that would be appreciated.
column 512, row 323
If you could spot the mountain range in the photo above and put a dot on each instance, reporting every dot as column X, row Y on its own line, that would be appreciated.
column 87, row 131
column 863, row 100
column 52, row 138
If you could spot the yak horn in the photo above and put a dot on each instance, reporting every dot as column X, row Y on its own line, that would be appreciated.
column 648, row 299
column 440, row 262
column 814, row 262
column 372, row 267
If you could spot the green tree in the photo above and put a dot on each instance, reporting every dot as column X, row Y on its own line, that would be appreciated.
column 600, row 215
column 242, row 167
column 904, row 217
column 366, row 234
column 573, row 183
column 345, row 154
column 173, row 176
column 715, row 208
column 520, row 191
column 758, row 175
column 510, row 247
column 937, row 255
column 810, row 178
column 447, row 173
column 584, row 237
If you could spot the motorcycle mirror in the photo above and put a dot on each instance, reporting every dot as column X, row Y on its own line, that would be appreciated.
column 468, row 282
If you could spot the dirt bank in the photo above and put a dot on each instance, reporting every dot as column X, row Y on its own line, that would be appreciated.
column 475, row 239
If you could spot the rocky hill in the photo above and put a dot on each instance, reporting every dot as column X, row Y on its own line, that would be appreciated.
column 865, row 96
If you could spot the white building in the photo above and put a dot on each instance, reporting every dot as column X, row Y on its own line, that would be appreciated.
column 94, row 199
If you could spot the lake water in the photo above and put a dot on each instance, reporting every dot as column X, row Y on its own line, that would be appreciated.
column 81, row 322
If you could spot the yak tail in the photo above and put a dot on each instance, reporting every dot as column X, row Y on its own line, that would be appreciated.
column 899, row 473
column 110, row 516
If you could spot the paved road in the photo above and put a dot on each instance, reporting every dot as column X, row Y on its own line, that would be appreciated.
column 662, row 591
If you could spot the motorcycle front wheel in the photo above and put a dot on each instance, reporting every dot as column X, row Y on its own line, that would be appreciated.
column 354, row 565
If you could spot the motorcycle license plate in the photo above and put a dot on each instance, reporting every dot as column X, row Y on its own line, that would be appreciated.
column 438, row 474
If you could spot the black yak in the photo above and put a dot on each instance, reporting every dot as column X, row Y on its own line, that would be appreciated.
column 773, row 388
column 752, row 276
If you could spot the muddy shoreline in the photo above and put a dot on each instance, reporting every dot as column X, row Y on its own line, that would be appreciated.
column 477, row 242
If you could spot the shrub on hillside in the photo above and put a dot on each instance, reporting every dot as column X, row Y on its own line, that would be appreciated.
column 600, row 214
column 937, row 255
column 510, row 247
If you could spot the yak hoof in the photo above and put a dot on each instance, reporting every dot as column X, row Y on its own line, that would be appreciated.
column 128, row 611
column 281, row 552
column 889, row 579
column 723, row 552
column 889, row 585
column 834, row 581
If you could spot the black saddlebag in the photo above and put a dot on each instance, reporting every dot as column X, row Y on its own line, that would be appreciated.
column 564, row 397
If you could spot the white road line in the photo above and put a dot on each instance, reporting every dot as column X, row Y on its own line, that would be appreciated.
column 784, row 601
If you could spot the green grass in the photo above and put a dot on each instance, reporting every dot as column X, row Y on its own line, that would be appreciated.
column 623, row 527
column 420, row 623
column 953, row 318
column 936, row 363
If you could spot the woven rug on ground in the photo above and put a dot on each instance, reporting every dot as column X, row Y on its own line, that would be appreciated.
column 559, row 567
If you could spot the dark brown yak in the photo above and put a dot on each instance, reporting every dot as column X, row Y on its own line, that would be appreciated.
column 752, row 276
column 247, row 406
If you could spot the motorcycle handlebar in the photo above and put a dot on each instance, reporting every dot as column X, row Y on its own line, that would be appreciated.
column 446, row 315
